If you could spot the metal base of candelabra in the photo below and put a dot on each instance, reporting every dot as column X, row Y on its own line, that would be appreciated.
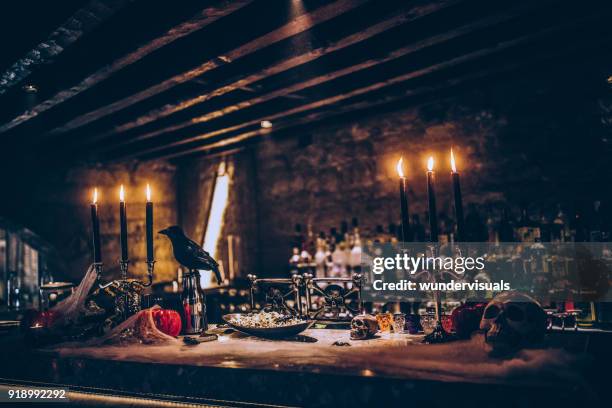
column 438, row 335
column 150, row 269
column 128, row 299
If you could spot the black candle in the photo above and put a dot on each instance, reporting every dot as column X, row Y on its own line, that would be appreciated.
column 403, row 188
column 458, row 199
column 123, row 225
column 149, row 226
column 431, row 194
column 95, row 228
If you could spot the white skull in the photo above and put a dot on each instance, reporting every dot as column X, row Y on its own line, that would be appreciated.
column 513, row 320
column 363, row 326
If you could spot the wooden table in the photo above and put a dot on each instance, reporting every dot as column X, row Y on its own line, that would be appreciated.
column 390, row 369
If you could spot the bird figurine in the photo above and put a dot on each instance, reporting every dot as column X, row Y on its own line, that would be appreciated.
column 190, row 254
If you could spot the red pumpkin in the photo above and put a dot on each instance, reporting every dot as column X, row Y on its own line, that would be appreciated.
column 167, row 321
column 466, row 319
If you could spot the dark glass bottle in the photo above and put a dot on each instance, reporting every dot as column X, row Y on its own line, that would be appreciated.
column 506, row 230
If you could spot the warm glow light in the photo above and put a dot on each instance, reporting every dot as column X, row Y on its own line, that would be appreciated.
column 121, row 193
column 148, row 193
column 453, row 165
column 266, row 124
column 430, row 163
column 216, row 219
column 95, row 196
column 400, row 167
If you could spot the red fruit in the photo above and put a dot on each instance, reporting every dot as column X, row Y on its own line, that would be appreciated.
column 466, row 319
column 167, row 321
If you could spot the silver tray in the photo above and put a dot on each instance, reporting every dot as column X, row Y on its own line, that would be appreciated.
column 269, row 332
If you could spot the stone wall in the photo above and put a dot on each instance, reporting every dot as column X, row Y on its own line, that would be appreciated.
column 516, row 144
column 55, row 205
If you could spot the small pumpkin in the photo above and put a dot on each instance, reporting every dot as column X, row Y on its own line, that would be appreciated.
column 167, row 321
column 466, row 319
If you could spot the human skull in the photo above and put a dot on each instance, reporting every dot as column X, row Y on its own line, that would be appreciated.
column 513, row 320
column 363, row 326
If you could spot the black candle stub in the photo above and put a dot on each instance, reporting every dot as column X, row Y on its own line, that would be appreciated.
column 123, row 225
column 403, row 187
column 95, row 226
column 458, row 207
column 149, row 226
column 431, row 194
column 458, row 199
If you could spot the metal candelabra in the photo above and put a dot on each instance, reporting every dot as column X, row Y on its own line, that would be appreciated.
column 128, row 292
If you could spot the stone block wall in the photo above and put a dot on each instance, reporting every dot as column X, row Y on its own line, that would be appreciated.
column 56, row 206
column 516, row 145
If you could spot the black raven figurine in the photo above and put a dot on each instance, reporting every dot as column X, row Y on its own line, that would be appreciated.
column 188, row 253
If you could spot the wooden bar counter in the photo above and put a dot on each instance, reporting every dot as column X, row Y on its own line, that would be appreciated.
column 397, row 370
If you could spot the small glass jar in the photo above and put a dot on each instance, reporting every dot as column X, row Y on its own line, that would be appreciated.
column 399, row 322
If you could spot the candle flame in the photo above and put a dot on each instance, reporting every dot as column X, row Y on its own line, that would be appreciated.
column 122, row 194
column 148, row 193
column 95, row 196
column 400, row 167
column 452, row 160
column 430, row 163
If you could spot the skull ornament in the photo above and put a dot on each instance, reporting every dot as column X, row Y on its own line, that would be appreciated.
column 363, row 326
column 513, row 320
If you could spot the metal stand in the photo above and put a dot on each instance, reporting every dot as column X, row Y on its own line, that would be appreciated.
column 438, row 335
column 128, row 300
column 150, row 268
column 123, row 301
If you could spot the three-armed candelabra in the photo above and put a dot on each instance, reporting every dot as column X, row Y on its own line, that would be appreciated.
column 128, row 291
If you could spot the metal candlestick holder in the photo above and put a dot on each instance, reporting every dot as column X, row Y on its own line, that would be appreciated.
column 127, row 292
column 438, row 335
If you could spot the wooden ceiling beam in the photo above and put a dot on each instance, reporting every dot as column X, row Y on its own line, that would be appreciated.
column 207, row 16
column 296, row 25
column 415, row 11
column 311, row 118
column 80, row 23
column 207, row 139
column 203, row 138
column 238, row 140
column 334, row 75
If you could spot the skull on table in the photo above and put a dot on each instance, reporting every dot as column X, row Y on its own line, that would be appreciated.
column 363, row 326
column 513, row 320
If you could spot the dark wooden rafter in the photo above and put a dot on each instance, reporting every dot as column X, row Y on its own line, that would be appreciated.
column 415, row 11
column 207, row 16
column 296, row 25
column 208, row 140
column 176, row 88
column 80, row 23
column 236, row 142
column 392, row 55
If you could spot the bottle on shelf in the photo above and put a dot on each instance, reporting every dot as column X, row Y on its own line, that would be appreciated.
column 294, row 262
column 320, row 258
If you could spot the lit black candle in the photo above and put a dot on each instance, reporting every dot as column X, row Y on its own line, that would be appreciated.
column 95, row 228
column 403, row 188
column 458, row 198
column 149, row 225
column 431, row 194
column 123, row 225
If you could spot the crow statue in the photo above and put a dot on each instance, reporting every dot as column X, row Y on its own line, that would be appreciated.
column 188, row 253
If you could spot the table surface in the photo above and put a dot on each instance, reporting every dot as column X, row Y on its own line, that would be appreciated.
column 387, row 355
